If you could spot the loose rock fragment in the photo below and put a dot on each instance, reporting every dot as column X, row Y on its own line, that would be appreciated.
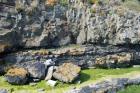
column 67, row 72
column 52, row 83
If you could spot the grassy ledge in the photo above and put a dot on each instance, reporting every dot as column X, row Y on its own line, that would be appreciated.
column 87, row 76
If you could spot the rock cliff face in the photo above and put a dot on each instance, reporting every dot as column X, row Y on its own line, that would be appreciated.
column 36, row 23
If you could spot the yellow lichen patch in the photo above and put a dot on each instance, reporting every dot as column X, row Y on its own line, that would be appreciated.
column 70, row 51
column 76, row 51
column 67, row 72
column 124, row 58
column 41, row 52
column 50, row 2
column 118, row 58
column 71, row 66
column 17, row 72
column 60, row 51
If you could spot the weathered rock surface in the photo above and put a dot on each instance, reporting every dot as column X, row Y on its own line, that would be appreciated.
column 67, row 72
column 73, row 51
column 114, row 56
column 17, row 76
column 40, row 25
column 108, row 86
column 114, row 61
column 36, row 70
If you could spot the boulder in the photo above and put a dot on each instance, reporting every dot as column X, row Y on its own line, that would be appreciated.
column 113, row 61
column 67, row 72
column 17, row 76
column 36, row 70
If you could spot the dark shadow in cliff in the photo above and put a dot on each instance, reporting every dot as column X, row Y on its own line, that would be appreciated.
column 135, row 47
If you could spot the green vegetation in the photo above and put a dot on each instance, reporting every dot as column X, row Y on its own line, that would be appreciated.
column 87, row 76
column 63, row 2
column 131, row 89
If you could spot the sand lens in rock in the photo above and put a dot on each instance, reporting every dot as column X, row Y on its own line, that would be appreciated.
column 17, row 76
column 67, row 72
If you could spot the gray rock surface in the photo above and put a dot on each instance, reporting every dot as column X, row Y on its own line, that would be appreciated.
column 36, row 70
column 107, row 86
column 84, row 56
column 40, row 25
